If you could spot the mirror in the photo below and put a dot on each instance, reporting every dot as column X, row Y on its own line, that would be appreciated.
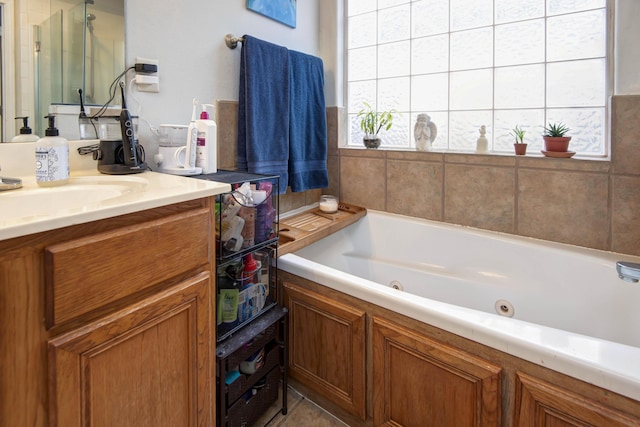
column 59, row 46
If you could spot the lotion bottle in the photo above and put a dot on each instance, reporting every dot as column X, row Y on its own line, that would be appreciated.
column 25, row 132
column 206, row 147
column 52, row 157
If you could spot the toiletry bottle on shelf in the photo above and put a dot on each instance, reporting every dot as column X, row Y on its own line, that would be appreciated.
column 25, row 132
column 250, row 272
column 192, row 140
column 206, row 147
column 52, row 157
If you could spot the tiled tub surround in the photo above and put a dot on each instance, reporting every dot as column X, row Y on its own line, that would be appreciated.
column 591, row 203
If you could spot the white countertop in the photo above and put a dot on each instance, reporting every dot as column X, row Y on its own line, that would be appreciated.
column 139, row 192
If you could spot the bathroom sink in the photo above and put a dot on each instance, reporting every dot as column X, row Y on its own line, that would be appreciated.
column 80, row 194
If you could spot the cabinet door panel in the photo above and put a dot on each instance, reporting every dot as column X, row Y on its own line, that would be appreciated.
column 81, row 278
column 540, row 404
column 421, row 382
column 327, row 347
column 146, row 365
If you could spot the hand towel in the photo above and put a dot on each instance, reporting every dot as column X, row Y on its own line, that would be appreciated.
column 263, row 109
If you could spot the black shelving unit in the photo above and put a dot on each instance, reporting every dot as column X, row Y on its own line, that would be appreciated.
column 258, row 330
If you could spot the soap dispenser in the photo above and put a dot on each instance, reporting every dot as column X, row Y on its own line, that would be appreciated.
column 25, row 132
column 206, row 147
column 52, row 157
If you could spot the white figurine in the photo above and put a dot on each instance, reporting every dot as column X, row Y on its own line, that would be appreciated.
column 424, row 132
column 482, row 143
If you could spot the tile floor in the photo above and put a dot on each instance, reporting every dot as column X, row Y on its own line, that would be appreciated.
column 300, row 412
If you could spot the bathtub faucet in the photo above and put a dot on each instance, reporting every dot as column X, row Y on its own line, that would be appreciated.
column 628, row 271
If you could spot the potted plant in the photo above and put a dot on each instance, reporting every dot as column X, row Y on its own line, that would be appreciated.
column 371, row 122
column 520, row 146
column 554, row 137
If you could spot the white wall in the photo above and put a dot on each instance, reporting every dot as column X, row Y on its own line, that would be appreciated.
column 627, row 44
column 187, row 38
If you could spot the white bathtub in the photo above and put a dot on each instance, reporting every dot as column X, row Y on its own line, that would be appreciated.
column 571, row 312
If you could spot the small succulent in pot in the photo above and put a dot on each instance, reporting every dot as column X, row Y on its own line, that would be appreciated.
column 555, row 138
column 520, row 146
column 372, row 122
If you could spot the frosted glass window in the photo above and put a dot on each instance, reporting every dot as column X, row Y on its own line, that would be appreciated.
column 467, row 14
column 528, row 120
column 577, row 36
column 587, row 127
column 520, row 43
column 393, row 94
column 576, row 83
column 394, row 24
column 389, row 3
column 362, row 63
column 361, row 92
column 430, row 54
column 471, row 89
column 472, row 49
column 430, row 93
column 429, row 17
column 510, row 11
column 555, row 7
column 464, row 128
column 362, row 30
column 358, row 7
column 468, row 63
column 394, row 59
column 520, row 87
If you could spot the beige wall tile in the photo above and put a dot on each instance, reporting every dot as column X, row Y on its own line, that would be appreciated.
column 335, row 129
column 625, row 222
column 479, row 196
column 625, row 125
column 291, row 201
column 565, row 207
column 333, row 166
column 227, row 127
column 480, row 159
column 415, row 188
column 362, row 181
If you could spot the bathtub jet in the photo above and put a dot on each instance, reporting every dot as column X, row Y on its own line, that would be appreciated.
column 628, row 271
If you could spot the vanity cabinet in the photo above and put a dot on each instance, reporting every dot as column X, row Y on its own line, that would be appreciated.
column 539, row 404
column 327, row 344
column 420, row 375
column 420, row 381
column 110, row 322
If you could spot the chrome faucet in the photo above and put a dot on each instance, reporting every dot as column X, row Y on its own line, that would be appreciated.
column 628, row 271
column 9, row 183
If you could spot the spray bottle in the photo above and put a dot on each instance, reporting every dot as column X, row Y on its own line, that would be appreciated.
column 206, row 147
column 25, row 132
column 192, row 140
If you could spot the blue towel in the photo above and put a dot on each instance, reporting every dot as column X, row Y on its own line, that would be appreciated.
column 307, row 123
column 263, row 109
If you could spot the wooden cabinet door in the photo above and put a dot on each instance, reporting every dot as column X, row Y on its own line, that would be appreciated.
column 421, row 382
column 146, row 365
column 540, row 404
column 327, row 347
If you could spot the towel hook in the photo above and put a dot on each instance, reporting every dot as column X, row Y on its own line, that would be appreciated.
column 232, row 41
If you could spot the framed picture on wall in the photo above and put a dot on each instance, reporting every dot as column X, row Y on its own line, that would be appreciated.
column 279, row 10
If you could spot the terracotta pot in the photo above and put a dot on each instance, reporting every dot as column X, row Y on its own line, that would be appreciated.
column 556, row 143
column 371, row 142
column 521, row 149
